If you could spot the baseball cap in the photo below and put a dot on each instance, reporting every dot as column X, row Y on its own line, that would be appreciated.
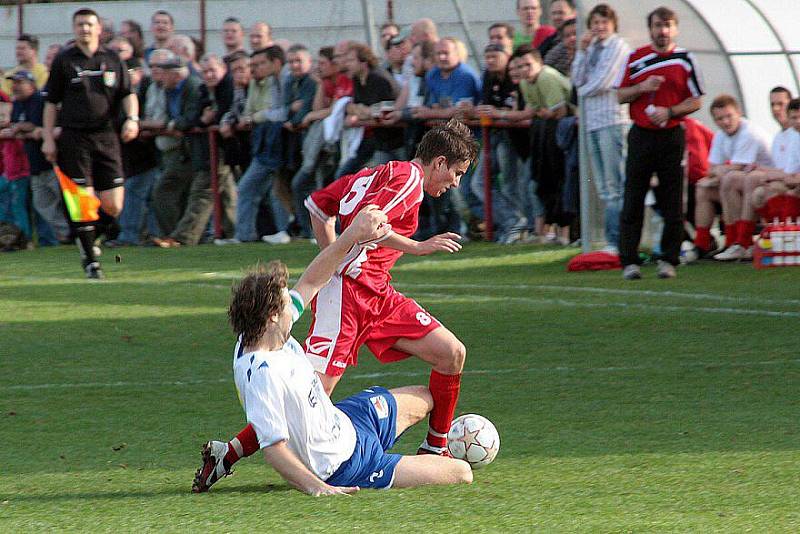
column 400, row 37
column 21, row 75
column 494, row 47
column 173, row 63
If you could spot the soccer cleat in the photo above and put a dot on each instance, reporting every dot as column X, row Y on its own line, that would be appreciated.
column 281, row 238
column 732, row 253
column 93, row 271
column 632, row 272
column 439, row 451
column 666, row 270
column 213, row 467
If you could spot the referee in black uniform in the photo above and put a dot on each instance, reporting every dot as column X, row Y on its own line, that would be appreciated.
column 90, row 83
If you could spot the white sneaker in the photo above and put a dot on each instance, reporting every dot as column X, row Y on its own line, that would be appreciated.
column 732, row 253
column 632, row 272
column 229, row 241
column 610, row 249
column 748, row 254
column 281, row 238
column 666, row 270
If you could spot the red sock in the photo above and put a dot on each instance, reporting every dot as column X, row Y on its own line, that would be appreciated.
column 746, row 229
column 731, row 234
column 444, row 389
column 243, row 445
column 702, row 238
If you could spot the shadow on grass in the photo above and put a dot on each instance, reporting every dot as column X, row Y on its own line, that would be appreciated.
column 170, row 491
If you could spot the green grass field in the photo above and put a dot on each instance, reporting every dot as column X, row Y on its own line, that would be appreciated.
column 647, row 406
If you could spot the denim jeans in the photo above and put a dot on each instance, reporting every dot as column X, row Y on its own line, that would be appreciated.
column 304, row 182
column 138, row 189
column 385, row 156
column 606, row 157
column 255, row 184
column 47, row 202
column 505, row 212
column 14, row 203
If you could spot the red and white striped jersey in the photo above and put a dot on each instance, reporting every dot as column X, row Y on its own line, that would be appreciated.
column 396, row 188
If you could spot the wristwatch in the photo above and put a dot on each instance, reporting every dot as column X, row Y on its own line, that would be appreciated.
column 134, row 118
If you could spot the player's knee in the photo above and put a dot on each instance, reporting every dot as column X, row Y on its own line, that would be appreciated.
column 112, row 209
column 463, row 473
column 457, row 356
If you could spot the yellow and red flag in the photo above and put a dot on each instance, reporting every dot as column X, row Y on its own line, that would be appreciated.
column 81, row 204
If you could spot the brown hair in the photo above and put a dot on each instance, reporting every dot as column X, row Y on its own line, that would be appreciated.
column 508, row 27
column 723, row 101
column 364, row 54
column 526, row 49
column 453, row 140
column 605, row 11
column 664, row 13
column 256, row 298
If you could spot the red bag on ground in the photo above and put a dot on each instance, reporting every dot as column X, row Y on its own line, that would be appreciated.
column 594, row 261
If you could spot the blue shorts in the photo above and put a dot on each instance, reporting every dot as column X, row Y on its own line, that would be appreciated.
column 374, row 416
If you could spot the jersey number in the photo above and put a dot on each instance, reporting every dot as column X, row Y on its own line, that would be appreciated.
column 356, row 193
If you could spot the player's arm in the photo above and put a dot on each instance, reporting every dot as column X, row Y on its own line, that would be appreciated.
column 324, row 231
column 447, row 242
column 368, row 225
column 289, row 466
column 48, row 131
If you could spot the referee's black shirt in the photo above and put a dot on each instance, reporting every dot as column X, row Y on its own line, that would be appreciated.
column 89, row 89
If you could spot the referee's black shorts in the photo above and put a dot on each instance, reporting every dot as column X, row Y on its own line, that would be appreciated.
column 91, row 158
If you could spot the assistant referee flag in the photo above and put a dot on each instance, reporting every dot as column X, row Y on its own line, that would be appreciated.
column 81, row 204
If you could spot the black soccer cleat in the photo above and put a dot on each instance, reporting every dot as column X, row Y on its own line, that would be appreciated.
column 93, row 271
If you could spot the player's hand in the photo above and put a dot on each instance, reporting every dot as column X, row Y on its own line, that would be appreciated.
column 653, row 83
column 333, row 490
column 659, row 116
column 586, row 40
column 369, row 224
column 130, row 131
column 447, row 242
column 49, row 150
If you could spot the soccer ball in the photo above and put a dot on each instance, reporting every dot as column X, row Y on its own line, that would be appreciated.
column 473, row 438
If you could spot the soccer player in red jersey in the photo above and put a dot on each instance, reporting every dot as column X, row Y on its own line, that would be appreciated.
column 359, row 306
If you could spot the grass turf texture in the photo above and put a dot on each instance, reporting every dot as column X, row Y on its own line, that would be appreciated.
column 645, row 406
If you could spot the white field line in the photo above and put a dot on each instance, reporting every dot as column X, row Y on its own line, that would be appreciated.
column 651, row 308
column 422, row 373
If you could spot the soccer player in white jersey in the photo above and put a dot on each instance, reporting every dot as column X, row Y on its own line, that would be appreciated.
column 316, row 446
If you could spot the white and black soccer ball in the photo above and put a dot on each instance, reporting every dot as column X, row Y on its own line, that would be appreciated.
column 473, row 438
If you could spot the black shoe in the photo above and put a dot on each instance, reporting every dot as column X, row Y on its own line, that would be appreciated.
column 93, row 271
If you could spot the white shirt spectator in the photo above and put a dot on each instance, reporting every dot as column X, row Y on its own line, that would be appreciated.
column 594, row 72
column 284, row 400
column 786, row 150
column 748, row 146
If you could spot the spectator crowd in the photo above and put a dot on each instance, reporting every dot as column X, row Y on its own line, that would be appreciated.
column 289, row 120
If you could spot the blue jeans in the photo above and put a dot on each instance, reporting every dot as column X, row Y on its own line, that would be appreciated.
column 505, row 212
column 14, row 203
column 303, row 182
column 255, row 184
column 606, row 147
column 138, row 189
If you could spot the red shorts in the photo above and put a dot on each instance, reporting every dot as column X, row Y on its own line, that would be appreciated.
column 346, row 316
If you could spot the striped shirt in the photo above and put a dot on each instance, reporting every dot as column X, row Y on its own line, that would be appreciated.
column 594, row 72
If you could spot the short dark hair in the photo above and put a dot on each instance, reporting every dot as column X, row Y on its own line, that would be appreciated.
column 364, row 54
column 724, row 100
column 780, row 89
column 326, row 52
column 794, row 105
column 389, row 25
column 664, row 13
column 162, row 12
column 453, row 140
column 85, row 12
column 32, row 40
column 508, row 27
column 256, row 298
column 564, row 25
column 236, row 56
column 232, row 20
column 272, row 52
column 524, row 50
column 605, row 11
column 570, row 3
column 297, row 47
